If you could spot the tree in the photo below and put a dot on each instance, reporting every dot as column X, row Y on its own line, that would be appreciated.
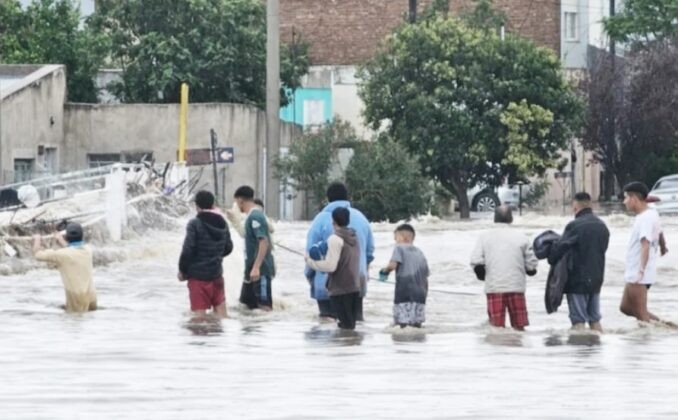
column 306, row 167
column 642, row 91
column 386, row 182
column 218, row 47
column 472, row 107
column 48, row 31
column 642, row 22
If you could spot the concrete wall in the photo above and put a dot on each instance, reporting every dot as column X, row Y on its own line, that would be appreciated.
column 31, row 115
column 120, row 128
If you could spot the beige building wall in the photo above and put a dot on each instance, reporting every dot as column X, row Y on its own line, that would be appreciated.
column 31, row 117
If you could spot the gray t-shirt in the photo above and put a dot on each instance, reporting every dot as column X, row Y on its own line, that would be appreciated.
column 411, row 274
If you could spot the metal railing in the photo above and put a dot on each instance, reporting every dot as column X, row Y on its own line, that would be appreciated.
column 66, row 184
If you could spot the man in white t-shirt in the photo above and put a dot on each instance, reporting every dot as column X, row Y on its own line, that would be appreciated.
column 645, row 247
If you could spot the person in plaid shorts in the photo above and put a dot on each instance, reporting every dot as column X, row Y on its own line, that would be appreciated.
column 502, row 258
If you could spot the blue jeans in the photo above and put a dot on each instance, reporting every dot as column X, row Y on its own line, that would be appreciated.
column 584, row 309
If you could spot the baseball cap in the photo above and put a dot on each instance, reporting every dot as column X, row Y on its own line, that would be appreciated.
column 74, row 232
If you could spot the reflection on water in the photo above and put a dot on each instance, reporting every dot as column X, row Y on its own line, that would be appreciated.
column 506, row 339
column 324, row 336
column 573, row 339
column 204, row 325
column 145, row 357
column 409, row 335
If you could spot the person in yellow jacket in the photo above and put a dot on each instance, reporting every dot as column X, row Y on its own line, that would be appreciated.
column 74, row 262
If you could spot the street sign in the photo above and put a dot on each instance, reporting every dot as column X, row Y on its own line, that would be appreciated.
column 225, row 155
column 196, row 157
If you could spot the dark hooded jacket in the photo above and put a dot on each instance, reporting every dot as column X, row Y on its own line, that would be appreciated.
column 207, row 242
column 587, row 237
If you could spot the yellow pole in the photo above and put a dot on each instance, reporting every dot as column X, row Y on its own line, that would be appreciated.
column 183, row 122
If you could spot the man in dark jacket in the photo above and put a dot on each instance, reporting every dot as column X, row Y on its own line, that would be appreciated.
column 207, row 242
column 587, row 237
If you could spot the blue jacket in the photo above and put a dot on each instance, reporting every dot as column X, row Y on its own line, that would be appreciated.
column 322, row 228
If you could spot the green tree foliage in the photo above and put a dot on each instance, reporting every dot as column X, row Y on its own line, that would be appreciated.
column 218, row 47
column 472, row 107
column 484, row 17
column 49, row 32
column 307, row 165
column 386, row 182
column 643, row 22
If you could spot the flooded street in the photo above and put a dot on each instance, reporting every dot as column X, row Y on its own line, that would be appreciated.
column 141, row 356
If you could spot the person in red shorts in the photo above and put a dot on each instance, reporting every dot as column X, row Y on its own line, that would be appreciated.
column 207, row 242
column 502, row 257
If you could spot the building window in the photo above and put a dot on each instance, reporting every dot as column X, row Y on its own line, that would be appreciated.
column 97, row 160
column 571, row 20
column 137, row 156
column 23, row 170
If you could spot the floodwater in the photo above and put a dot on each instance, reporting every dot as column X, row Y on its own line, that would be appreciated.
column 142, row 357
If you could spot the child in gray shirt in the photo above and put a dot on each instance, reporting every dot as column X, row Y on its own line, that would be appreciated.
column 412, row 273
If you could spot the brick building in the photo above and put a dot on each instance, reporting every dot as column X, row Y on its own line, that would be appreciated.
column 347, row 32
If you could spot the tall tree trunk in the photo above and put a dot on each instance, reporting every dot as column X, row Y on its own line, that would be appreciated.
column 608, row 184
column 413, row 11
column 460, row 190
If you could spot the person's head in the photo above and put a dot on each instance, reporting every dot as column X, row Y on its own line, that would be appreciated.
column 337, row 192
column 581, row 201
column 74, row 232
column 204, row 200
column 244, row 197
column 341, row 217
column 635, row 196
column 503, row 214
column 404, row 234
column 259, row 203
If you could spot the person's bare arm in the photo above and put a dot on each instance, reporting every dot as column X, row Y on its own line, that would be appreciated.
column 644, row 257
column 662, row 245
column 60, row 239
column 255, row 274
column 392, row 266
column 37, row 243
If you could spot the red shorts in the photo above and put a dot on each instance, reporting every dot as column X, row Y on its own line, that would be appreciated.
column 497, row 303
column 206, row 294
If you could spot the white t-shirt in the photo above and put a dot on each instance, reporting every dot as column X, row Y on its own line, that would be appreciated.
column 646, row 226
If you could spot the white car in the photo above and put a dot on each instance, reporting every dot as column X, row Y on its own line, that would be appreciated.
column 666, row 190
column 484, row 199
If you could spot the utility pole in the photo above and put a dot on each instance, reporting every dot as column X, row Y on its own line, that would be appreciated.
column 272, row 185
column 612, row 140
column 413, row 11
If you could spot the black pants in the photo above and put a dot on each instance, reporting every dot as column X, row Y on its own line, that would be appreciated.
column 257, row 294
column 359, row 310
column 346, row 308
column 326, row 309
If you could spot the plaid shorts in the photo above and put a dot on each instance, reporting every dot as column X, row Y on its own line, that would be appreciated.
column 497, row 303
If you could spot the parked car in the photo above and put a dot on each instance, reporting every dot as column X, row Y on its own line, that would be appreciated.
column 485, row 199
column 666, row 190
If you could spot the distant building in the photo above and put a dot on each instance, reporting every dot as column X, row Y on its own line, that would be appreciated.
column 344, row 34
